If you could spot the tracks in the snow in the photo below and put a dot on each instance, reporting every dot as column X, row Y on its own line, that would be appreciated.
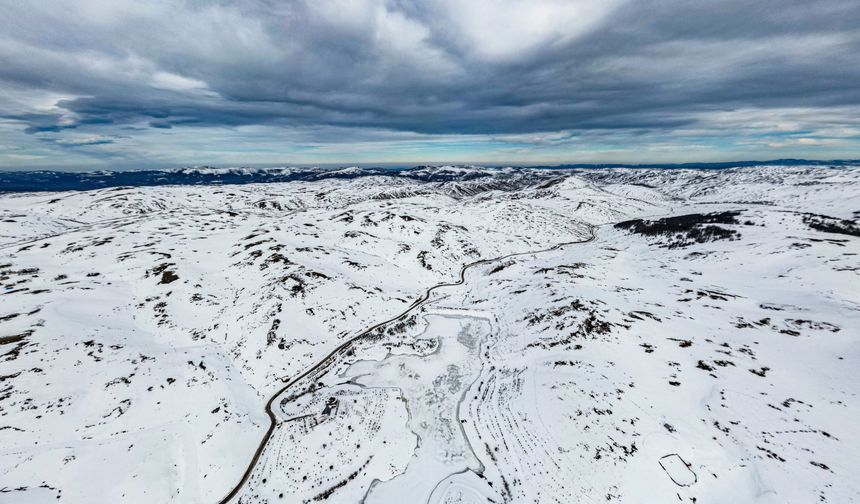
column 325, row 361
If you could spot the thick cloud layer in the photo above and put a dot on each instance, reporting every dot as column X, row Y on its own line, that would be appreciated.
column 312, row 80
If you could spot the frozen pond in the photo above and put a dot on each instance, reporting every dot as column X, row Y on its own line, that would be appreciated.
column 433, row 384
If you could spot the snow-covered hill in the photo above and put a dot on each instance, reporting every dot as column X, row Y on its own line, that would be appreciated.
column 618, row 335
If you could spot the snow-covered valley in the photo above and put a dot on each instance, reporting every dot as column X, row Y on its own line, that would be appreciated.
column 477, row 335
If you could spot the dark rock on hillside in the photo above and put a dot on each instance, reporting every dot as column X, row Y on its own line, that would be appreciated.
column 685, row 230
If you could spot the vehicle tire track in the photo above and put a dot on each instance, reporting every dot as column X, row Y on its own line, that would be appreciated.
column 328, row 359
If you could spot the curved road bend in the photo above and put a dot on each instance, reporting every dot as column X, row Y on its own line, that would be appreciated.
column 273, row 421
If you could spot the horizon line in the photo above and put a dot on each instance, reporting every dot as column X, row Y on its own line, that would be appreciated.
column 405, row 165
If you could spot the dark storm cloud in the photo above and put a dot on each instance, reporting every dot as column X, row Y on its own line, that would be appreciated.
column 433, row 67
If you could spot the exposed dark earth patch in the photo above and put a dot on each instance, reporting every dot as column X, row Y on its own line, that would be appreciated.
column 685, row 230
column 828, row 224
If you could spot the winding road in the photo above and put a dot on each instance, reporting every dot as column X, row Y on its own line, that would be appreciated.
column 328, row 359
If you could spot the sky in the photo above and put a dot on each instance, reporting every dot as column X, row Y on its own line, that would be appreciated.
column 124, row 84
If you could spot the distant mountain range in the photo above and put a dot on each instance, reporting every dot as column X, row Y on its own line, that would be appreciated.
column 52, row 180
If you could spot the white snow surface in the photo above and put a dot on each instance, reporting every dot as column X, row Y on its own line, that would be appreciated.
column 143, row 331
